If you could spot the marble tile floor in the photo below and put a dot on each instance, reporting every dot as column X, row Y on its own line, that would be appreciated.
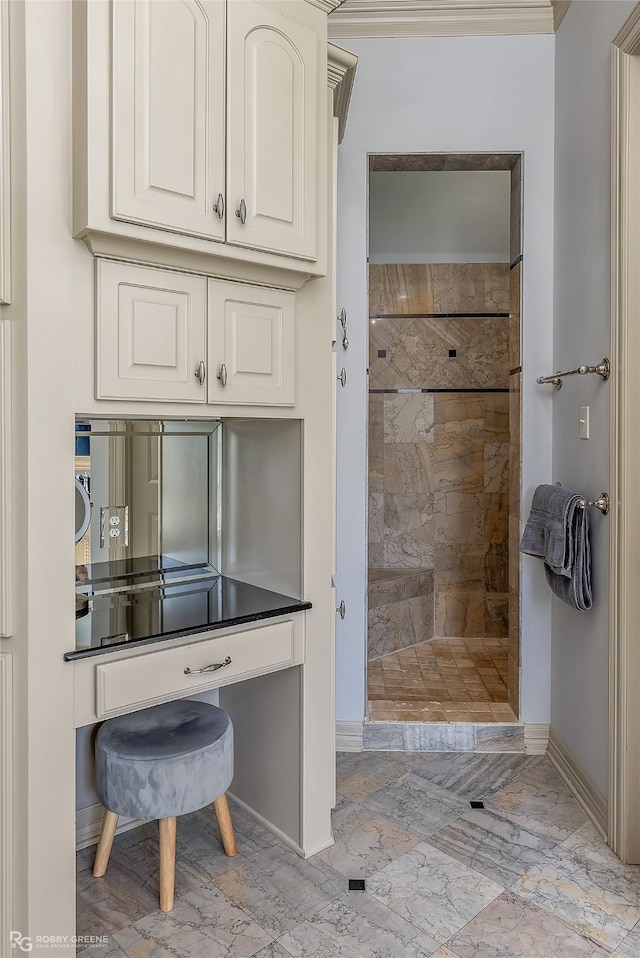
column 526, row 876
column 442, row 680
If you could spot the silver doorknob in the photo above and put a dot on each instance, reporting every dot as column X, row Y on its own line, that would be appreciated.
column 342, row 378
column 222, row 375
column 342, row 610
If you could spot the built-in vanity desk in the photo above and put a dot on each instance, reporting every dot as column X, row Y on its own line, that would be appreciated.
column 188, row 582
column 154, row 629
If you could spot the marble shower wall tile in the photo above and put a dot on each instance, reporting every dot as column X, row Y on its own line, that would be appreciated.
column 515, row 330
column 516, row 211
column 459, row 613
column 416, row 353
column 496, row 467
column 399, row 625
column 408, row 417
column 376, row 442
column 459, row 415
column 470, row 287
column 496, row 615
column 396, row 288
column 439, row 462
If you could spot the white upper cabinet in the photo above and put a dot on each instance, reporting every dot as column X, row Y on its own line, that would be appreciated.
column 271, row 129
column 168, row 139
column 200, row 125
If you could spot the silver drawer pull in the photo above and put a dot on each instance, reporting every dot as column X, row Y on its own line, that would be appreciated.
column 208, row 668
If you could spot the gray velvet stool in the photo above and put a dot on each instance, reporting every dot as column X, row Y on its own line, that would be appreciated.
column 159, row 763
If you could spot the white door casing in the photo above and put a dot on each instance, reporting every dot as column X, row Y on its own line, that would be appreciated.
column 624, row 655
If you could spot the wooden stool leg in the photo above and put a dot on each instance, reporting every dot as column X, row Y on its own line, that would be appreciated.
column 221, row 807
column 167, row 827
column 108, row 830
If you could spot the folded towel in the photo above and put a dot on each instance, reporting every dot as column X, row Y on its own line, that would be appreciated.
column 557, row 531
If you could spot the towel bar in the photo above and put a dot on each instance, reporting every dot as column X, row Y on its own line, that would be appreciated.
column 602, row 503
column 602, row 369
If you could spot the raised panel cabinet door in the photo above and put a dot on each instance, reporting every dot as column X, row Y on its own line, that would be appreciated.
column 150, row 333
column 168, row 130
column 251, row 350
column 272, row 116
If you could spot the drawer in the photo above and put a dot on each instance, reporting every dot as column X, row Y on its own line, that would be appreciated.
column 154, row 677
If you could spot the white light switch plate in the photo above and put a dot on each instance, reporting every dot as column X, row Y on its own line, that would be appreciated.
column 584, row 422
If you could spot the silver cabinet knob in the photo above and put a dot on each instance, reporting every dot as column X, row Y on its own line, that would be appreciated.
column 242, row 212
column 201, row 372
column 222, row 375
column 218, row 207
column 342, row 378
column 208, row 668
column 342, row 610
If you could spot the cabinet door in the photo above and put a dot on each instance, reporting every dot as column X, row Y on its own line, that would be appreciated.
column 168, row 114
column 150, row 335
column 272, row 115
column 251, row 352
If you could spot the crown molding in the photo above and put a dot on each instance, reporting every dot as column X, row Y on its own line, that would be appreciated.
column 425, row 18
column 341, row 70
column 326, row 5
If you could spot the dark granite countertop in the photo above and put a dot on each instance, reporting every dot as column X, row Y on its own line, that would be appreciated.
column 175, row 600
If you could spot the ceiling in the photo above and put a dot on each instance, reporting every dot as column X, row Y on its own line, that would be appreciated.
column 425, row 18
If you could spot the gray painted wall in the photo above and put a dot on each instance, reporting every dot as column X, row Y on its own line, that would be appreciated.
column 444, row 94
column 579, row 672
column 439, row 217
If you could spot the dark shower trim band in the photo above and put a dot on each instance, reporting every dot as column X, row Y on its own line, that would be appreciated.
column 408, row 391
column 439, row 315
column 517, row 260
column 515, row 370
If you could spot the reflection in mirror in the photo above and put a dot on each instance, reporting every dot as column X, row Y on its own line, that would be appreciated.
column 153, row 493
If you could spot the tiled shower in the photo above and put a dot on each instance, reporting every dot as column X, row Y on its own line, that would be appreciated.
column 444, row 460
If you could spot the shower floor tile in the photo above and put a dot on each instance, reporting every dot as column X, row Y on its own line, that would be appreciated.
column 442, row 680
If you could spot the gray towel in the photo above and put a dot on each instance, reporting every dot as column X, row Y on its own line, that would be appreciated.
column 557, row 531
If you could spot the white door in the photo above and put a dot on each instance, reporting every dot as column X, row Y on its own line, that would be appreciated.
column 168, row 114
column 150, row 333
column 272, row 116
column 251, row 352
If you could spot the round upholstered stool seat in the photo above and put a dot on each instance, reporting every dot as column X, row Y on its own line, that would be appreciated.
column 162, row 762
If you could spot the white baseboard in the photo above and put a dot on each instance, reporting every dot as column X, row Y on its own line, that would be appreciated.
column 349, row 736
column 536, row 738
column 585, row 792
column 6, row 796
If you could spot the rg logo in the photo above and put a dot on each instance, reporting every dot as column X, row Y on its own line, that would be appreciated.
column 20, row 941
